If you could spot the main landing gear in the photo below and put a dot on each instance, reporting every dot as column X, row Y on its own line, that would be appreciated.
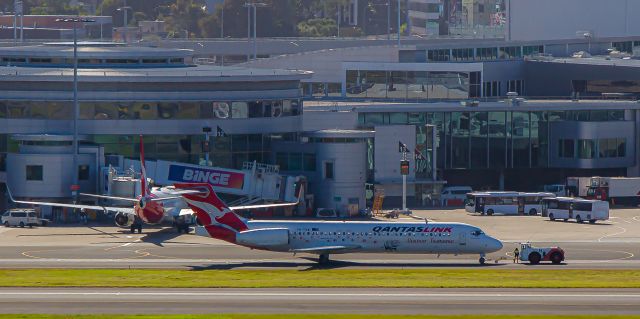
column 323, row 259
column 136, row 225
column 482, row 260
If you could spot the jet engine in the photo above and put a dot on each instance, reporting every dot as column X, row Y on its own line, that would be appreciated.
column 268, row 237
column 124, row 220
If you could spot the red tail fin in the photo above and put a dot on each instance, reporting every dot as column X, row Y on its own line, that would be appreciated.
column 209, row 207
column 143, row 171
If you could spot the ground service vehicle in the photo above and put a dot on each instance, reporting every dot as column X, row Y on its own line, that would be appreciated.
column 21, row 217
column 333, row 237
column 615, row 190
column 454, row 195
column 577, row 186
column 534, row 255
column 505, row 203
column 581, row 210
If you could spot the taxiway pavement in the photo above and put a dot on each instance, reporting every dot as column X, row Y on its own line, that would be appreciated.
column 610, row 244
column 364, row 301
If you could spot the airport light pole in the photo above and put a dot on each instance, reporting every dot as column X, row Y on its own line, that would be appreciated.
column 389, row 20
column 222, row 20
column 124, row 10
column 398, row 23
column 404, row 171
column 253, row 5
column 76, row 107
column 248, row 6
column 388, row 5
column 206, row 146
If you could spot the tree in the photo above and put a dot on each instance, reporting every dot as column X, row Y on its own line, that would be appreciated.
column 150, row 8
column 318, row 28
column 54, row 7
column 184, row 18
column 276, row 19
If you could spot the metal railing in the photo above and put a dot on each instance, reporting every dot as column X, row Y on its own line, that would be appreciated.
column 266, row 168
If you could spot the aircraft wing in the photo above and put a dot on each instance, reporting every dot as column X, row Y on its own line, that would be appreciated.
column 125, row 210
column 263, row 206
column 133, row 200
column 327, row 249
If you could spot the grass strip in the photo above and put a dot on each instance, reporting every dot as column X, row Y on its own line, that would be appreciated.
column 309, row 316
column 338, row 278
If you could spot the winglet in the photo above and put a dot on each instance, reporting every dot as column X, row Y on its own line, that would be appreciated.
column 10, row 195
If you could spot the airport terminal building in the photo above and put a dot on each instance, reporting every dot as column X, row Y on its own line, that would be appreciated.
column 489, row 114
column 128, row 91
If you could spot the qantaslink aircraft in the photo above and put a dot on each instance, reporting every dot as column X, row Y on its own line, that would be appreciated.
column 323, row 238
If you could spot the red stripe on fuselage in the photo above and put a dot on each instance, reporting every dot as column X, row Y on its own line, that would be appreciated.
column 202, row 216
column 219, row 232
column 231, row 219
column 210, row 197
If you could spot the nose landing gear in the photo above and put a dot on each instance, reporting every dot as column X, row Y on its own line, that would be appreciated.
column 482, row 259
column 323, row 259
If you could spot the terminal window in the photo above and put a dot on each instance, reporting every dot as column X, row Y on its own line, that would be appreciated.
column 83, row 172
column 34, row 172
column 566, row 148
column 328, row 170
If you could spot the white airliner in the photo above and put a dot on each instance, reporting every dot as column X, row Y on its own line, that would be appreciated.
column 151, row 207
column 333, row 237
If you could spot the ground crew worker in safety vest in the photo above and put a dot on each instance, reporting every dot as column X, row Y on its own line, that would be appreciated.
column 516, row 256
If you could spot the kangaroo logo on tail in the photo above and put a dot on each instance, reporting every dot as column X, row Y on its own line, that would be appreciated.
column 209, row 208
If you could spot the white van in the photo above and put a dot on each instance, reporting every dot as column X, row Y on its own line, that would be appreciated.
column 581, row 210
column 20, row 217
column 454, row 195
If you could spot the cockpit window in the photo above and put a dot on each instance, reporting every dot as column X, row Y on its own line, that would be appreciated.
column 477, row 233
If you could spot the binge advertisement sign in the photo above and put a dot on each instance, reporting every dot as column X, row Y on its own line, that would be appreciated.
column 216, row 178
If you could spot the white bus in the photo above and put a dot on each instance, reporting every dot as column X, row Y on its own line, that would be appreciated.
column 581, row 210
column 505, row 203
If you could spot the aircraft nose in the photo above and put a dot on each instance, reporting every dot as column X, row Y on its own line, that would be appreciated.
column 494, row 245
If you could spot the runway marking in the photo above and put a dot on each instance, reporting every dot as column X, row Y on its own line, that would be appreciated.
column 29, row 253
column 147, row 254
column 630, row 255
column 124, row 245
column 624, row 230
column 314, row 294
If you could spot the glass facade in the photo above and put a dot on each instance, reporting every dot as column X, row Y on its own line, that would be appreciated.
column 296, row 161
column 591, row 149
column 416, row 85
column 229, row 151
column 501, row 139
column 91, row 63
column 483, row 54
column 63, row 110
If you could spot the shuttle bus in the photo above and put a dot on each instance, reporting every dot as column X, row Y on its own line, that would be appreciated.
column 580, row 210
column 505, row 203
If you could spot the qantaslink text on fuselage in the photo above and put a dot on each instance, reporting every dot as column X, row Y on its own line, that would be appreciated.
column 412, row 229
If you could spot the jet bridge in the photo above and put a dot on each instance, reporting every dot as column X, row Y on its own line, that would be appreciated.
column 255, row 182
